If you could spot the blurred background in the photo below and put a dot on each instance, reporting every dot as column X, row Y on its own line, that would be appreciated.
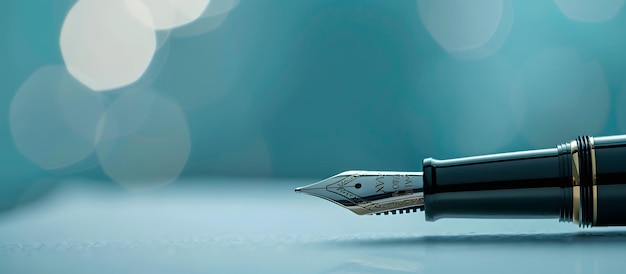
column 167, row 136
column 143, row 94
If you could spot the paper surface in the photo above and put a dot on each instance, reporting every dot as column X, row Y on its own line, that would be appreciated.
column 231, row 226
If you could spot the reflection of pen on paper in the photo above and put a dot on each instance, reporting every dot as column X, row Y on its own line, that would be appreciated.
column 582, row 181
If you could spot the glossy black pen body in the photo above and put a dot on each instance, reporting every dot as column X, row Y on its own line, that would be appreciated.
column 582, row 181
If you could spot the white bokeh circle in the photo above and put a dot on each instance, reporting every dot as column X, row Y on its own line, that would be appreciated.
column 168, row 14
column 145, row 140
column 53, row 118
column 211, row 19
column 590, row 11
column 104, row 46
column 467, row 29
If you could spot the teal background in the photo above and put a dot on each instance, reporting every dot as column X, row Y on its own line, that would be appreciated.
column 307, row 89
column 286, row 92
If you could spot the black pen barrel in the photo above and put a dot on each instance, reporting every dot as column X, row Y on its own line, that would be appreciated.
column 526, row 184
column 583, row 181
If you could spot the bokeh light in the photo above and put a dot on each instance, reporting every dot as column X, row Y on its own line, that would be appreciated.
column 154, row 70
column 464, row 78
column 469, row 105
column 211, row 19
column 104, row 46
column 145, row 140
column 563, row 96
column 126, row 114
column 467, row 29
column 54, row 118
column 167, row 14
column 162, row 37
column 590, row 11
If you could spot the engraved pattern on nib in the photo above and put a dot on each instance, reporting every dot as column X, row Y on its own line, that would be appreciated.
column 404, row 204
column 372, row 192
column 339, row 188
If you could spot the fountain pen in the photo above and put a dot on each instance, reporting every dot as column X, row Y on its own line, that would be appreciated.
column 582, row 181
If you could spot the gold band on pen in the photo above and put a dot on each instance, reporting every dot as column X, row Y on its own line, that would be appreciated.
column 575, row 183
column 594, row 188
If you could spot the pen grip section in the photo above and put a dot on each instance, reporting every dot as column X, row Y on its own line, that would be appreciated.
column 527, row 184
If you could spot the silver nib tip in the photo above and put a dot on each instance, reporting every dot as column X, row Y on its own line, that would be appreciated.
column 371, row 192
column 298, row 189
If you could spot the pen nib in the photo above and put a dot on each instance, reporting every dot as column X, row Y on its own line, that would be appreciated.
column 371, row 192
